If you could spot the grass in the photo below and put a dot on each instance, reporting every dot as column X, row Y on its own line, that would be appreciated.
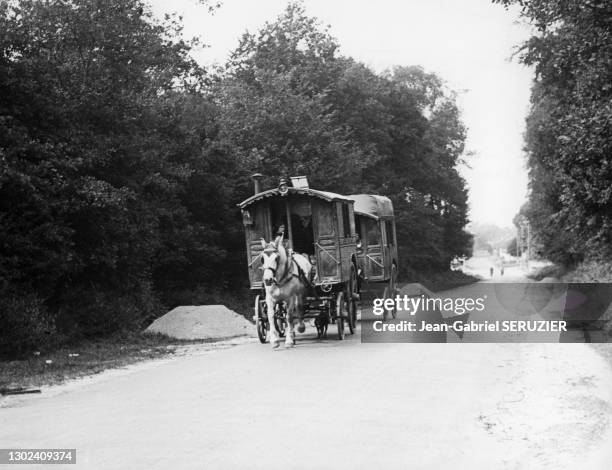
column 552, row 270
column 592, row 271
column 86, row 358
column 75, row 359
column 587, row 271
column 89, row 357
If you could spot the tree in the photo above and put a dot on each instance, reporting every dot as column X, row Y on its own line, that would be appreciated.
column 121, row 160
column 289, row 103
column 92, row 155
column 428, row 169
column 275, row 106
column 568, row 131
column 512, row 247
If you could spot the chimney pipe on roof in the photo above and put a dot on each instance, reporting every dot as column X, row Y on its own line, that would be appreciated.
column 257, row 177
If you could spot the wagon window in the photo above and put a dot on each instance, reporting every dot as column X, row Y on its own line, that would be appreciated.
column 358, row 226
column 346, row 223
column 389, row 233
column 325, row 220
column 257, row 226
column 372, row 232
column 278, row 215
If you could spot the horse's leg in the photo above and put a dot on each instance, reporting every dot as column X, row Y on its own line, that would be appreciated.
column 274, row 339
column 290, row 334
column 299, row 307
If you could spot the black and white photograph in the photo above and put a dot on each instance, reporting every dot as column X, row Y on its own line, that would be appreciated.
column 306, row 234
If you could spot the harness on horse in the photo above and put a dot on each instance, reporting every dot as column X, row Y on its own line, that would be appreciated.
column 289, row 274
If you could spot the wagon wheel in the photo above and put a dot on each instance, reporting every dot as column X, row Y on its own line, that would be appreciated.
column 385, row 296
column 389, row 293
column 260, row 319
column 350, row 300
column 340, row 314
column 393, row 289
column 279, row 319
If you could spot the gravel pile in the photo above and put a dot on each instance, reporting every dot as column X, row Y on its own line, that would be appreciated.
column 202, row 322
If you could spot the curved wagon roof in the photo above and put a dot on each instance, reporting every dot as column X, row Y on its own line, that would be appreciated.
column 371, row 205
column 325, row 195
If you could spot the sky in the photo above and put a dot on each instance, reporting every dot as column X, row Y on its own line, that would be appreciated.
column 469, row 43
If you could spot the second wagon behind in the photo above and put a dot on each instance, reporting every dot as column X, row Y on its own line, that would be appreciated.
column 377, row 246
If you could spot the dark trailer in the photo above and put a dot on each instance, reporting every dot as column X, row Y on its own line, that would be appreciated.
column 319, row 224
column 377, row 246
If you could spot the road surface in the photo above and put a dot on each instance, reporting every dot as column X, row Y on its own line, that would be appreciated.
column 333, row 404
column 480, row 266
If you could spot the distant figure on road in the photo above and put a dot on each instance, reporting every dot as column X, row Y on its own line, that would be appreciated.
column 502, row 271
column 491, row 271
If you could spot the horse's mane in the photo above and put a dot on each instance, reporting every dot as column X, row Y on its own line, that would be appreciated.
column 276, row 245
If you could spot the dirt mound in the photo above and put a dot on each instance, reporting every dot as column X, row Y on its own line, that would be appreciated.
column 550, row 279
column 202, row 322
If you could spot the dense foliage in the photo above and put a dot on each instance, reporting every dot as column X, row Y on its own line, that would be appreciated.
column 569, row 128
column 290, row 104
column 121, row 159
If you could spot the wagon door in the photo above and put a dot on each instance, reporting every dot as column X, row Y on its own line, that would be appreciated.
column 326, row 241
column 390, row 246
column 257, row 225
column 373, row 248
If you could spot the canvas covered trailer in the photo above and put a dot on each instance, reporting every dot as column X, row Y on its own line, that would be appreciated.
column 377, row 245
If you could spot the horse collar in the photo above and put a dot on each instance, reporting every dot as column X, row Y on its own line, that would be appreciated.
column 287, row 274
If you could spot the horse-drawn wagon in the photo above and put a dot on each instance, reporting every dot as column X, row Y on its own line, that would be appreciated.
column 308, row 252
column 311, row 231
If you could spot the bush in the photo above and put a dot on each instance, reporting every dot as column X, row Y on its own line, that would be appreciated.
column 591, row 271
column 587, row 271
column 98, row 311
column 25, row 326
column 551, row 270
column 437, row 281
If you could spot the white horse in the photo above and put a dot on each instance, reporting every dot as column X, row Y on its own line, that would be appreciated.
column 285, row 279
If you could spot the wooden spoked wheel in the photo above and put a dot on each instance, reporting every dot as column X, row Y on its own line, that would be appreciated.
column 261, row 319
column 389, row 293
column 351, row 303
column 393, row 290
column 340, row 314
column 280, row 319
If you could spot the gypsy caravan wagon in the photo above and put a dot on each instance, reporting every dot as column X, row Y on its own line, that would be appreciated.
column 319, row 225
column 377, row 246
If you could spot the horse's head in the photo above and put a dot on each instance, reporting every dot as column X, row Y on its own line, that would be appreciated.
column 271, row 258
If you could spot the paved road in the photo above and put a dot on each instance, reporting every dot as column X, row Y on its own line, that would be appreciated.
column 479, row 266
column 333, row 404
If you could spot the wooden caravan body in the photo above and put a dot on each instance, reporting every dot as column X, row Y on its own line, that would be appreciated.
column 319, row 224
